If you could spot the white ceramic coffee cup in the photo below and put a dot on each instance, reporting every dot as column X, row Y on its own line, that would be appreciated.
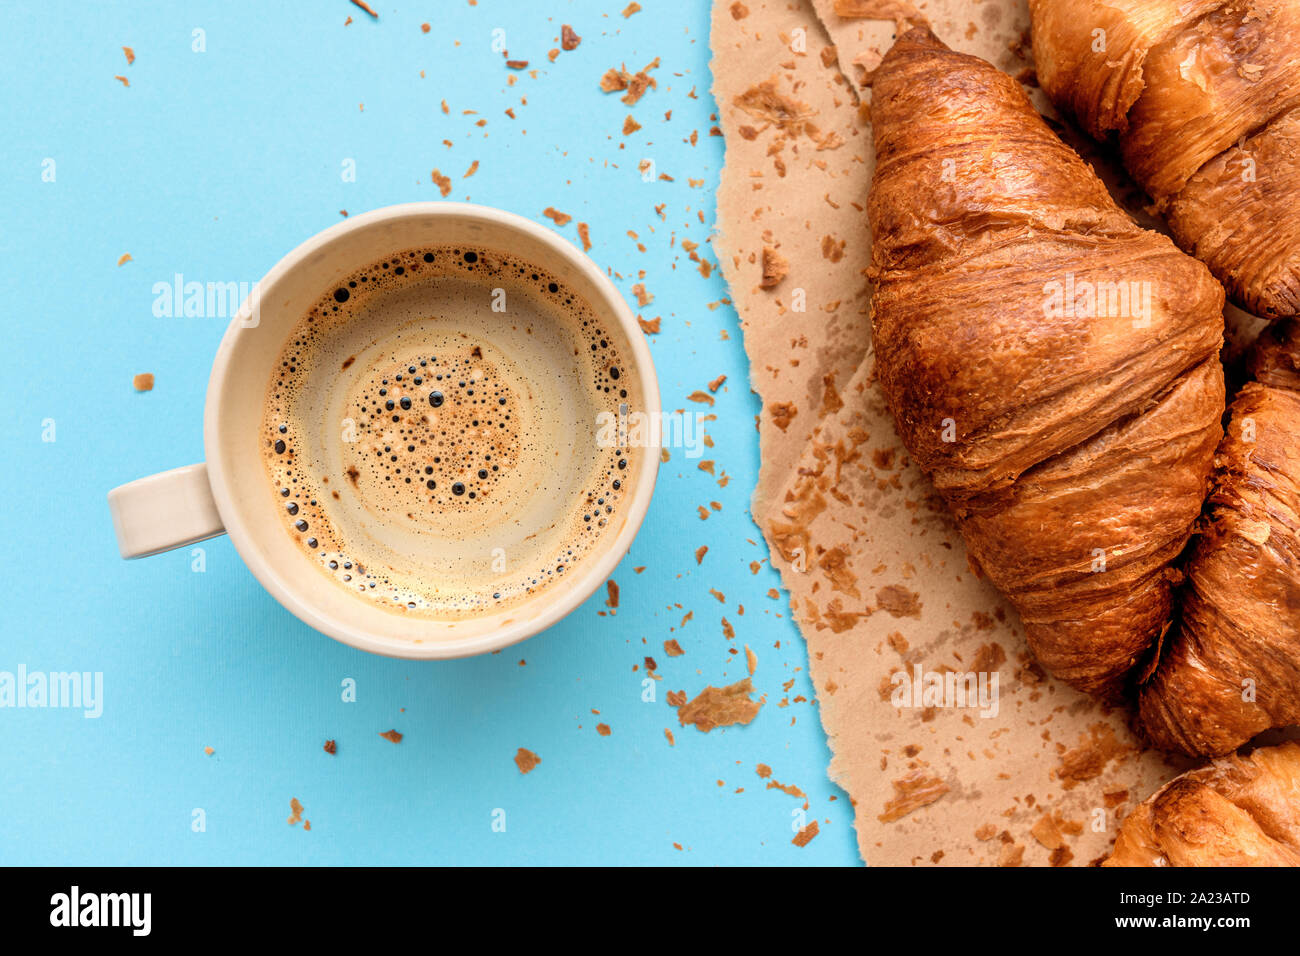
column 231, row 491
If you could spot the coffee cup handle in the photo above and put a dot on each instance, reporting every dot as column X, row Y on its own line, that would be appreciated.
column 164, row 511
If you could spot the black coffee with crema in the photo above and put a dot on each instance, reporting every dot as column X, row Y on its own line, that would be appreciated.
column 431, row 432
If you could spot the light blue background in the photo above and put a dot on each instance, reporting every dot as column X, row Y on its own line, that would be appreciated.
column 214, row 165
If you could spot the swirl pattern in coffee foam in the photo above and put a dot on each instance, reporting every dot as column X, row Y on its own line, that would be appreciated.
column 431, row 432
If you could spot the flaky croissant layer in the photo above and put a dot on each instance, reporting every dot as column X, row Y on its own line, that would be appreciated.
column 1238, row 811
column 1231, row 667
column 1203, row 97
column 1052, row 366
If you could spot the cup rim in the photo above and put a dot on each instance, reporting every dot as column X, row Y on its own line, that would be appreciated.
column 602, row 564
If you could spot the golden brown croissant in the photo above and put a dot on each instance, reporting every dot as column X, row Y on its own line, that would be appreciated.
column 1204, row 97
column 1052, row 366
column 1231, row 668
column 1275, row 358
column 1238, row 811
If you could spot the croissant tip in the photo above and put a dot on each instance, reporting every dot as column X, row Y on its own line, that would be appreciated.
column 920, row 36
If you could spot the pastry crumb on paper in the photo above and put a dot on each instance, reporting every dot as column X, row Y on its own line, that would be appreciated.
column 911, row 792
column 876, row 572
column 774, row 268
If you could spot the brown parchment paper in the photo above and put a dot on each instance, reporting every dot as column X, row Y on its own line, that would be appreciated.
column 877, row 575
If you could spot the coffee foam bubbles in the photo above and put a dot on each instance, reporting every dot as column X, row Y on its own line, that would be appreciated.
column 440, row 457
